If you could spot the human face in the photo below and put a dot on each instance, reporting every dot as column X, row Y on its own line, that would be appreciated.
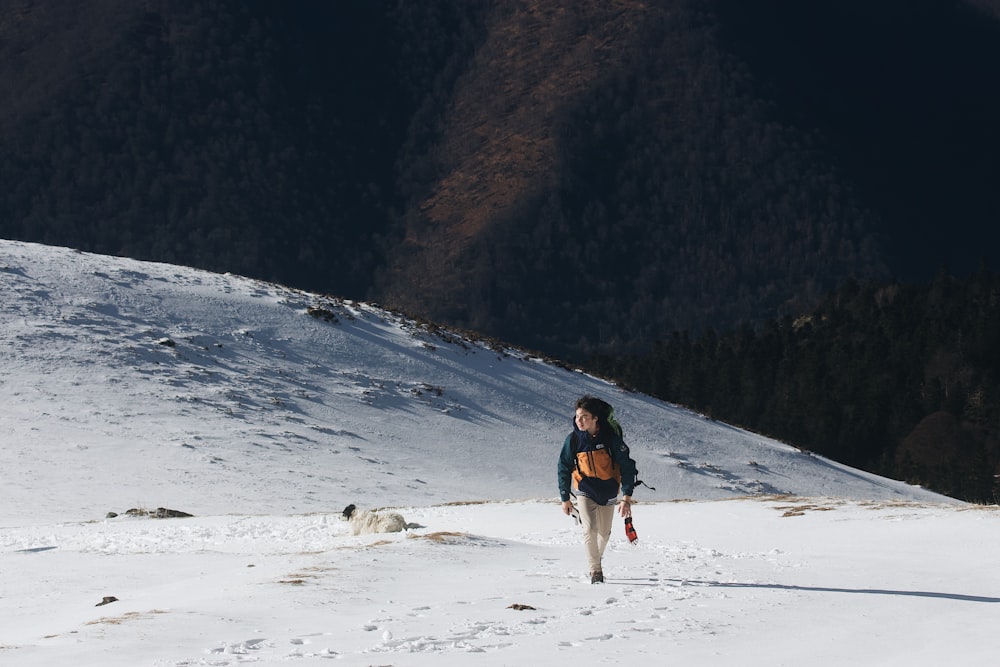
column 586, row 421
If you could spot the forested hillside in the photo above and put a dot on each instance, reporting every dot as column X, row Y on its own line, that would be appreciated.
column 576, row 177
column 902, row 380
column 618, row 155
column 902, row 91
column 222, row 135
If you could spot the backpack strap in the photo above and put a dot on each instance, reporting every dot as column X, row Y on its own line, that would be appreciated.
column 639, row 482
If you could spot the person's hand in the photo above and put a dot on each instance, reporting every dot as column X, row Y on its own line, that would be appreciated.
column 567, row 507
column 625, row 506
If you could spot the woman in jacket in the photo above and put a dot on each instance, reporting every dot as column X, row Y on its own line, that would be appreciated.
column 595, row 461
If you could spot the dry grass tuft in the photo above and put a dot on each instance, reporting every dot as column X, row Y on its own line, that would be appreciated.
column 130, row 616
column 440, row 536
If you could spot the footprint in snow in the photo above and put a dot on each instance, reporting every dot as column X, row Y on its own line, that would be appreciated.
column 240, row 648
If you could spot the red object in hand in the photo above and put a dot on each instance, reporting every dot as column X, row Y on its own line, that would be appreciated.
column 630, row 533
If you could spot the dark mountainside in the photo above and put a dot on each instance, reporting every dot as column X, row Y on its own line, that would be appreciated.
column 580, row 177
column 905, row 92
column 497, row 165
column 900, row 380
column 243, row 137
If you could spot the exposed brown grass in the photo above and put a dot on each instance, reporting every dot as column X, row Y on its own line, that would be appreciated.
column 130, row 616
column 439, row 536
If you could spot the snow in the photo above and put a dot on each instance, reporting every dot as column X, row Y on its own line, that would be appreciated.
column 137, row 385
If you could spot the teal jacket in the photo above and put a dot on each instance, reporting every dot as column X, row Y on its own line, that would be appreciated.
column 603, row 487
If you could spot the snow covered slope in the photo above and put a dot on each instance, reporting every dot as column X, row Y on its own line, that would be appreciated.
column 135, row 383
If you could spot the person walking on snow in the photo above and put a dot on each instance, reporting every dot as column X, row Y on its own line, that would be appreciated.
column 596, row 462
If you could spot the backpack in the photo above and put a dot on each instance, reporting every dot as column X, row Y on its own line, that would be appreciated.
column 617, row 428
column 613, row 423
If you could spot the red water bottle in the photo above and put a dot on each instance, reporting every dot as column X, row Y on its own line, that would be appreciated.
column 630, row 533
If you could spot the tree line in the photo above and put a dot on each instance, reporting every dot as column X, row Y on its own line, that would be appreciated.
column 899, row 380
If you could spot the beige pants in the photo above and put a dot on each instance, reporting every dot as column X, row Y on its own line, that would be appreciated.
column 596, row 520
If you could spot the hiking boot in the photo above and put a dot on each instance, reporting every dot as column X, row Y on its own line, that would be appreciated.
column 597, row 577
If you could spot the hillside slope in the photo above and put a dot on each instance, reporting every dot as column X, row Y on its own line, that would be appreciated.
column 187, row 379
column 681, row 165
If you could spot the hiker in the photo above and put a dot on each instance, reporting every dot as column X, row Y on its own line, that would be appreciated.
column 595, row 458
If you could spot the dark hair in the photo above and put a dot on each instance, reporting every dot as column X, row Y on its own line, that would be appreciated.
column 595, row 406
